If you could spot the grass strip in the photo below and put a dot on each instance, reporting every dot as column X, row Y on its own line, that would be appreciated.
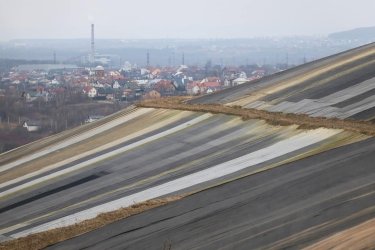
column 273, row 118
column 53, row 236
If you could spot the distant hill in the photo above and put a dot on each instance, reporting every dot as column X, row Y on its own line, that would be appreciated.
column 366, row 34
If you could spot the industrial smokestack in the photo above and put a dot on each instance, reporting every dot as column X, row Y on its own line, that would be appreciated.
column 148, row 58
column 92, row 44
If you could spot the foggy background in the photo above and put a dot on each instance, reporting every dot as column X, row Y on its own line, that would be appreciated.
column 236, row 32
column 128, row 19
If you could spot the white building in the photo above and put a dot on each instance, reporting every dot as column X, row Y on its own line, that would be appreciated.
column 116, row 85
column 240, row 81
column 93, row 118
column 31, row 127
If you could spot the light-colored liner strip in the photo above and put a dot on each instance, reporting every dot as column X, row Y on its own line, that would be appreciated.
column 276, row 150
column 76, row 139
column 148, row 129
column 107, row 155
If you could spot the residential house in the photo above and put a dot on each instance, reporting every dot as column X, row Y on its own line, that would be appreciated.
column 97, row 84
column 116, row 85
column 99, row 71
column 155, row 73
column 193, row 88
column 210, row 87
column 211, row 79
column 144, row 71
column 55, row 82
column 127, row 95
column 259, row 73
column 105, row 94
column 142, row 82
column 239, row 81
column 90, row 91
column 165, row 87
column 196, row 88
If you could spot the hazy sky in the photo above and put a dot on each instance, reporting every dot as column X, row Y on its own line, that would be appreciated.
column 180, row 19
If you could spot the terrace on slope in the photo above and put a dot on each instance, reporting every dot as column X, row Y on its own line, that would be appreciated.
column 340, row 86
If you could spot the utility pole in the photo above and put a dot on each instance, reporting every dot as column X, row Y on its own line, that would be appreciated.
column 92, row 59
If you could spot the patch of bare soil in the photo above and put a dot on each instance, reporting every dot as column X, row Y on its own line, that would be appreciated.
column 358, row 237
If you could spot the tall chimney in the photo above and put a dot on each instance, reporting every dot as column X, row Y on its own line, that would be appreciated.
column 92, row 44
column 148, row 58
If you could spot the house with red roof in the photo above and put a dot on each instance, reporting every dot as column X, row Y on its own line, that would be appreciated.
column 196, row 88
column 90, row 91
column 165, row 87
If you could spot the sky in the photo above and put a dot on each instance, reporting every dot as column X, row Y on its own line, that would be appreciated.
column 212, row 19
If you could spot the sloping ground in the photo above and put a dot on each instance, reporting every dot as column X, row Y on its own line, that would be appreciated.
column 247, row 182
column 33, row 147
column 288, row 207
column 144, row 154
column 340, row 86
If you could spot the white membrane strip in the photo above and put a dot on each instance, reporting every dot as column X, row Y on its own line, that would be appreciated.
column 107, row 155
column 278, row 149
column 76, row 139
